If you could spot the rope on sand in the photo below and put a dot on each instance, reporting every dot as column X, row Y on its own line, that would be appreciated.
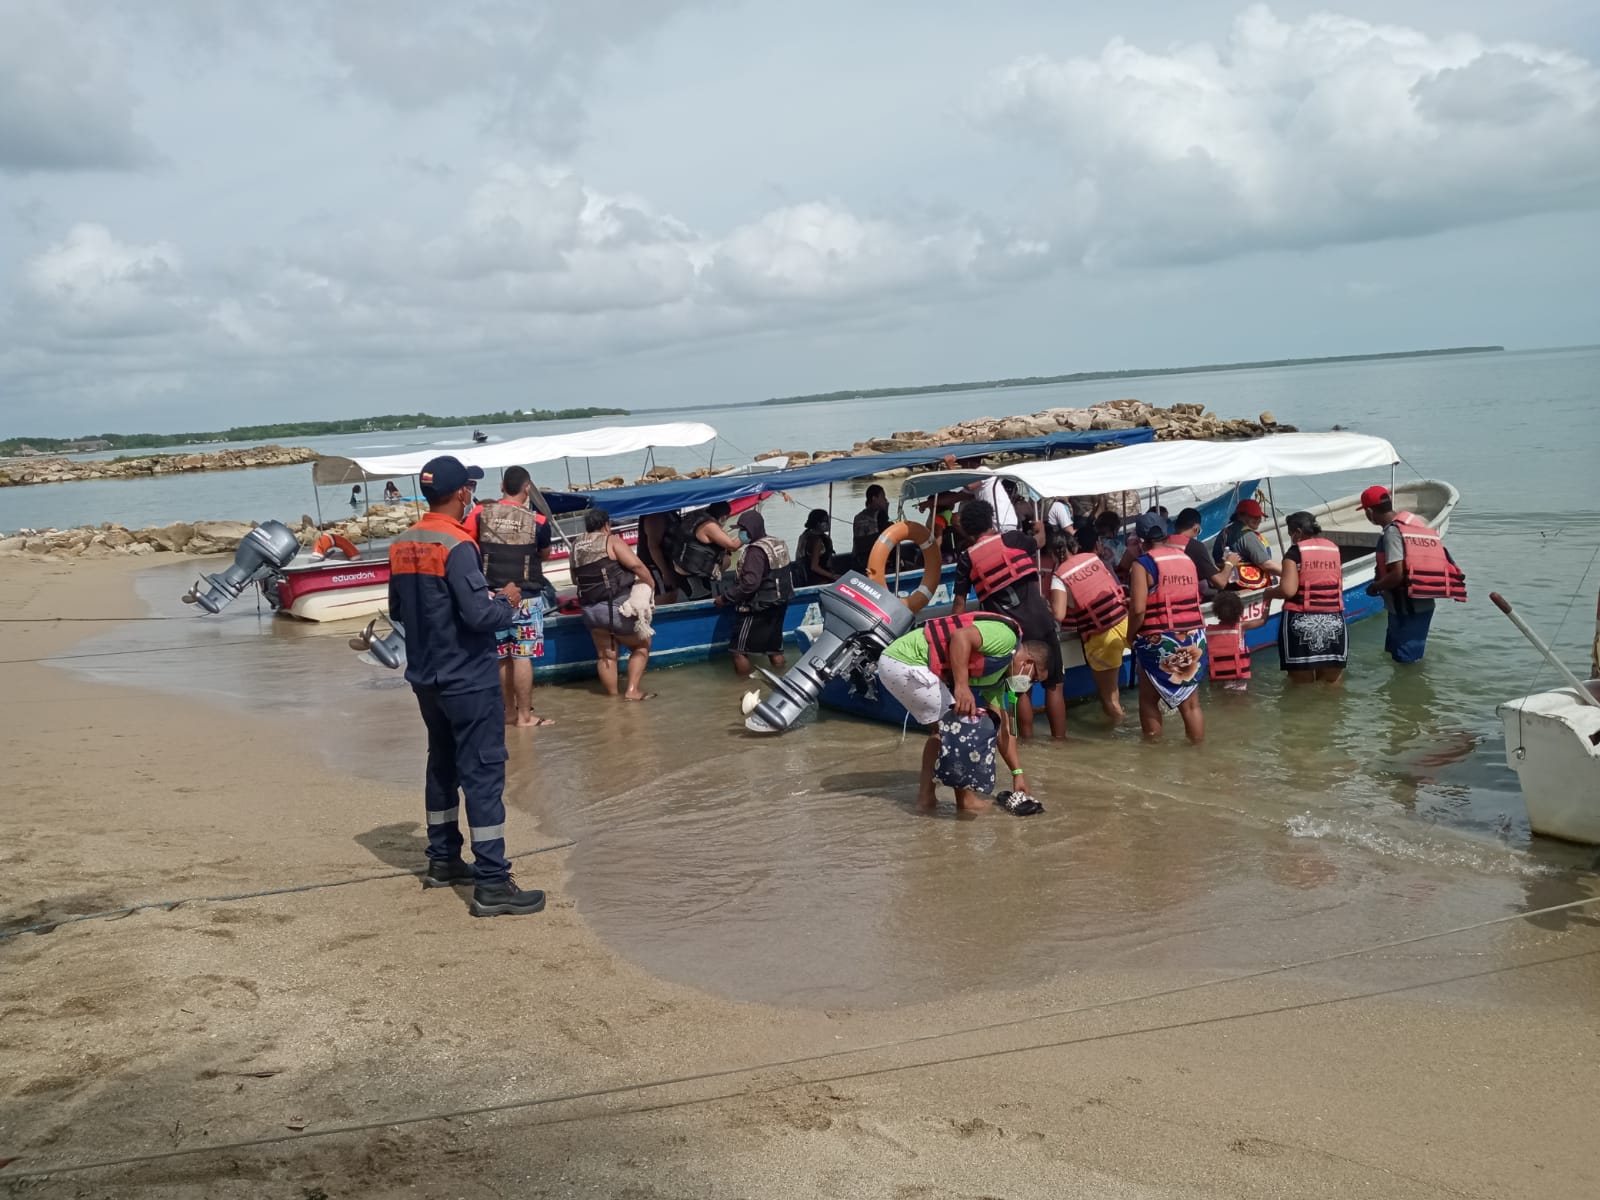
column 169, row 905
column 530, row 1102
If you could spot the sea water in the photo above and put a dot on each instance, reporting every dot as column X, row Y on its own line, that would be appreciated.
column 797, row 869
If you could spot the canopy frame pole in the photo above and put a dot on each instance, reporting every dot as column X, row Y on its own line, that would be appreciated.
column 566, row 463
column 366, row 495
column 1394, row 469
column 1277, row 529
column 316, row 495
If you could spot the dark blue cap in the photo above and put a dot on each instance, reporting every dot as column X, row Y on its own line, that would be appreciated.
column 445, row 474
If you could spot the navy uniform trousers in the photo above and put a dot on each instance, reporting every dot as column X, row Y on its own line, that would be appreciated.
column 466, row 755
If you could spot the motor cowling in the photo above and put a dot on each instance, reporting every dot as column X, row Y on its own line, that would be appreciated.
column 267, row 548
column 859, row 620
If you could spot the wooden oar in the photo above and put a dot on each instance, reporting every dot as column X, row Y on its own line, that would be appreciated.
column 1504, row 606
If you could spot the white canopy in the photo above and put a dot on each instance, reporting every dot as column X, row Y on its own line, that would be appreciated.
column 1179, row 464
column 586, row 443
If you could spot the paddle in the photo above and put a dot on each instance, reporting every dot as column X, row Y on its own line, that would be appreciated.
column 1504, row 606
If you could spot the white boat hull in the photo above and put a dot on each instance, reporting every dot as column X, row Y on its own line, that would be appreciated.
column 1553, row 744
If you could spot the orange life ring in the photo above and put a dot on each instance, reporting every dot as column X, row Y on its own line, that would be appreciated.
column 332, row 541
column 932, row 564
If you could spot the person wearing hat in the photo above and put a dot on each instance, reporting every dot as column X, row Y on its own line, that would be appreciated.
column 1413, row 570
column 760, row 591
column 1240, row 537
column 813, row 553
column 438, row 593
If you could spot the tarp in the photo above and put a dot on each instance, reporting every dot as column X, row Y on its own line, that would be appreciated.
column 1186, row 463
column 645, row 498
column 587, row 443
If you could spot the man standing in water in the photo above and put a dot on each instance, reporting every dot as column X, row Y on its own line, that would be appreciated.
column 515, row 542
column 438, row 591
column 1414, row 569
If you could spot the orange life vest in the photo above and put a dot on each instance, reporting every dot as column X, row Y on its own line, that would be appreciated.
column 940, row 630
column 1430, row 572
column 996, row 565
column 1173, row 603
column 1321, row 578
column 1178, row 540
column 1098, row 601
column 1229, row 656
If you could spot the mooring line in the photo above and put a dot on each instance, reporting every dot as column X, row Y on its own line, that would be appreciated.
column 47, row 926
column 529, row 1102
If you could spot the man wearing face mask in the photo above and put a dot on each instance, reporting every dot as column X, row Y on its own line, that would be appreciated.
column 951, row 664
column 761, row 590
column 438, row 591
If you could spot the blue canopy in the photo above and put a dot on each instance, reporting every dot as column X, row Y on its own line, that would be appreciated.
column 627, row 502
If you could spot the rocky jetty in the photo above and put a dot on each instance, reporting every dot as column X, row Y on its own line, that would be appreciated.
column 20, row 472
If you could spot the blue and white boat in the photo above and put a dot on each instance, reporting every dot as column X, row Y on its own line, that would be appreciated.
column 1179, row 472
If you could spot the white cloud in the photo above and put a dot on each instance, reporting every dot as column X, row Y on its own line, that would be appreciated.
column 65, row 100
column 92, row 285
column 1295, row 135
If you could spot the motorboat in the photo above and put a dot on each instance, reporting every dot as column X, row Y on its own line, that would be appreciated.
column 1553, row 744
column 339, row 586
column 1224, row 471
column 699, row 630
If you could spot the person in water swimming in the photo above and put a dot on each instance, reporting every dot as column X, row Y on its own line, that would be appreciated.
column 959, row 663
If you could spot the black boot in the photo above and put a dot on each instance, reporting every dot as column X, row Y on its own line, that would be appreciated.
column 505, row 898
column 446, row 873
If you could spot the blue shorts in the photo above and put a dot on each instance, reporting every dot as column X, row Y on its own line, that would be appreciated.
column 1408, row 635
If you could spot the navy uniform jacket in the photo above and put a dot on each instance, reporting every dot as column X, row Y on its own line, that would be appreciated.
column 437, row 590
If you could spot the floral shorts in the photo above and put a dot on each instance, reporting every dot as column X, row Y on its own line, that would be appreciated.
column 1173, row 661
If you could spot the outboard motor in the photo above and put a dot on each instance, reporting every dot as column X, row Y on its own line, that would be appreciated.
column 263, row 551
column 388, row 650
column 859, row 619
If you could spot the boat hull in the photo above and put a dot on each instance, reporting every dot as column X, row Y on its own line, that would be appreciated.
column 1553, row 744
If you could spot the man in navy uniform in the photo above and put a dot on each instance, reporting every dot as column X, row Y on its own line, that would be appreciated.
column 437, row 590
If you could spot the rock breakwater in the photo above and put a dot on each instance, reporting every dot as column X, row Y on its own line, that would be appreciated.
column 22, row 472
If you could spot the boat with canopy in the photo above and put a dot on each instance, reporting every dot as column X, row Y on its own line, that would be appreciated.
column 1165, row 470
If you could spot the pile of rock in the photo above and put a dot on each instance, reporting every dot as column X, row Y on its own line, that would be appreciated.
column 21, row 472
column 104, row 541
column 1178, row 421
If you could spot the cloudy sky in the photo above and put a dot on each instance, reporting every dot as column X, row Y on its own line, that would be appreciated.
column 222, row 210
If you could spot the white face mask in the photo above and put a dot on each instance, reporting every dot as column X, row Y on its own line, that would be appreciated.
column 1019, row 683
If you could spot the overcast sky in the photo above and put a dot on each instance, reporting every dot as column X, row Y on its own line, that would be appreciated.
column 217, row 211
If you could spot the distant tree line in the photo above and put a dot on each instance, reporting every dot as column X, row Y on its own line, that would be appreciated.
column 300, row 429
column 1088, row 376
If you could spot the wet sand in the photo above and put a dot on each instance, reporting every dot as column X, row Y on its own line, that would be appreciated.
column 699, row 1028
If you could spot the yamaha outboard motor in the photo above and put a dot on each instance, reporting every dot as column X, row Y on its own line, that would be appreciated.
column 263, row 551
column 387, row 651
column 859, row 619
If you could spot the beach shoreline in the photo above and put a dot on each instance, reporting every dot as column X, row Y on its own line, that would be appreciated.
column 1410, row 1072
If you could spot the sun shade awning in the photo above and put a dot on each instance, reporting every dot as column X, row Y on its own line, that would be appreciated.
column 1182, row 464
column 626, row 502
column 587, row 443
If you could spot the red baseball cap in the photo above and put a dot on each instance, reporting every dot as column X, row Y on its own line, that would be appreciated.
column 1374, row 496
column 1248, row 508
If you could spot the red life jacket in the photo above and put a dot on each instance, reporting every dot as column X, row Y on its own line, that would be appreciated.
column 1098, row 601
column 1430, row 572
column 1229, row 656
column 1173, row 604
column 940, row 630
column 1321, row 578
column 996, row 565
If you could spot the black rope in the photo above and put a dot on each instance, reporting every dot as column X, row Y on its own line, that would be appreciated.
column 169, row 905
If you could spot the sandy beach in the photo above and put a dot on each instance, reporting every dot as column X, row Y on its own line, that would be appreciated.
column 369, row 1039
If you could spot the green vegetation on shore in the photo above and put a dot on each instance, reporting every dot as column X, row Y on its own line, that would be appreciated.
column 1142, row 373
column 297, row 429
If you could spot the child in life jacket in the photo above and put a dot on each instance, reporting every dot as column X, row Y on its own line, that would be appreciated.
column 1228, row 658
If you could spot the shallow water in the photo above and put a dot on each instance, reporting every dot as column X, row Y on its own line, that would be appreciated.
column 797, row 871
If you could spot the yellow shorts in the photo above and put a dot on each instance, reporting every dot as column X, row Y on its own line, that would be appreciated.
column 1103, row 651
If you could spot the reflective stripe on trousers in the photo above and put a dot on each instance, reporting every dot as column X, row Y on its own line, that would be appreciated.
column 466, row 762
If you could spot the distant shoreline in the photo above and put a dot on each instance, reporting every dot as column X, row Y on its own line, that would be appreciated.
column 20, row 446
column 1134, row 373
